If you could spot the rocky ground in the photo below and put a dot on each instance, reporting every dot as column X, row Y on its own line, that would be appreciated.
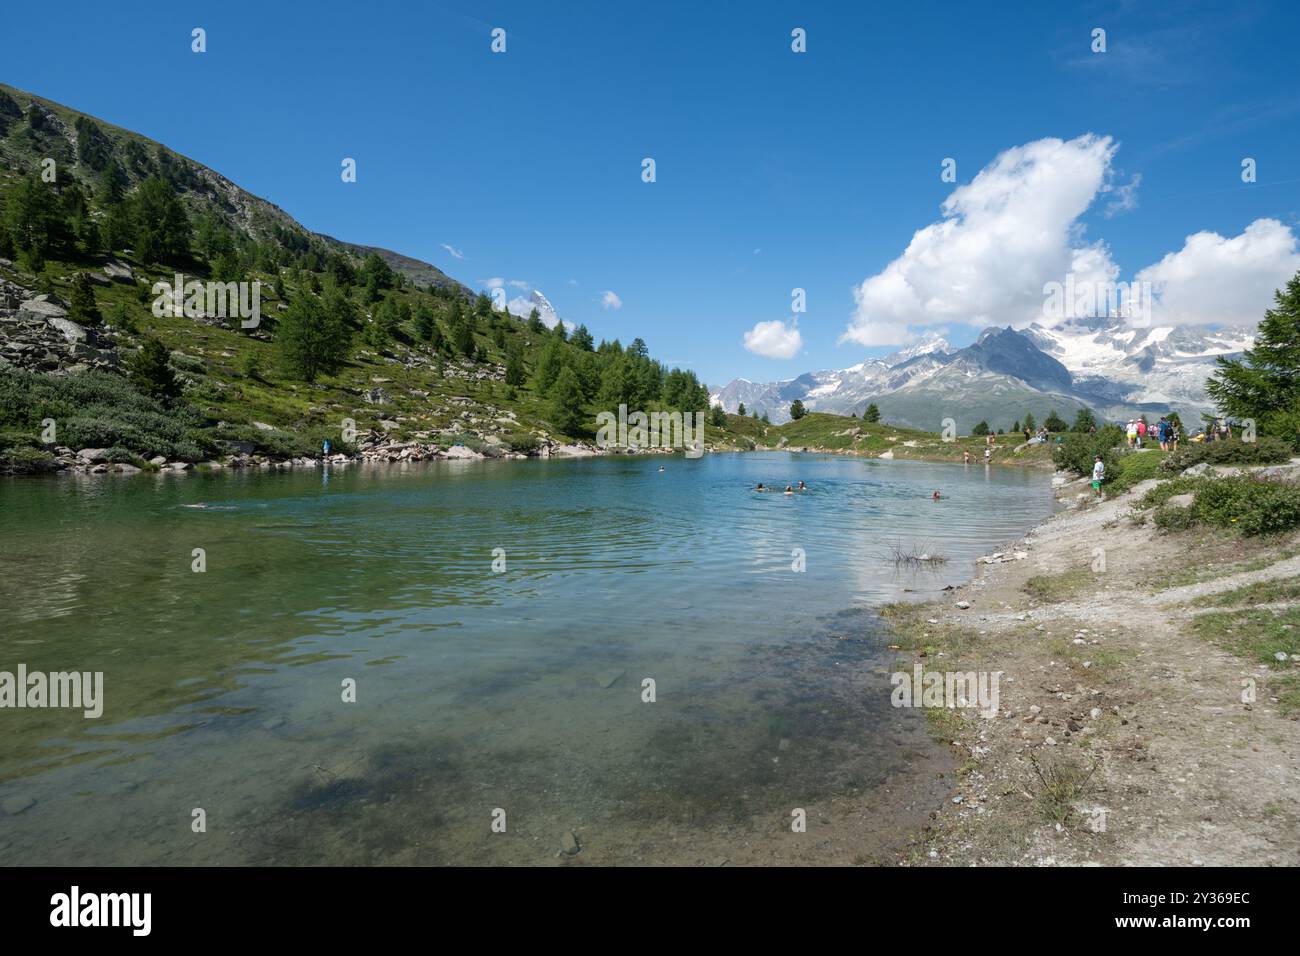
column 1122, row 737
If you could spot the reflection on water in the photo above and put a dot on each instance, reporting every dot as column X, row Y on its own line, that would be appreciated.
column 477, row 691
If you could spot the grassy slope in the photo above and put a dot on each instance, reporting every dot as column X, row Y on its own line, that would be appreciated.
column 819, row 431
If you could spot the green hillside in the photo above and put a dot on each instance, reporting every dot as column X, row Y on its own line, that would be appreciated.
column 346, row 332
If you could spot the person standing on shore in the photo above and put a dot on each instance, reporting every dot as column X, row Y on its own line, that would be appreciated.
column 1098, row 475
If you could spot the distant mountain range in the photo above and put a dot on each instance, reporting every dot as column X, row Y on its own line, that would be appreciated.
column 1097, row 363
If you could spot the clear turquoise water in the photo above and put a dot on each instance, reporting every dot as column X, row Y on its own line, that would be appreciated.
column 478, row 690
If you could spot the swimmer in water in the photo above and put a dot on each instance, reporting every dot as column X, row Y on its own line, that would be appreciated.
column 789, row 490
column 802, row 486
column 935, row 496
column 661, row 467
column 760, row 487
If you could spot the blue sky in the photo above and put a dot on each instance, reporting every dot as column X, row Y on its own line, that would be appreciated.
column 775, row 170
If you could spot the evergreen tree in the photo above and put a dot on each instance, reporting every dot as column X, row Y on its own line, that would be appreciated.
column 514, row 368
column 82, row 307
column 1083, row 421
column 872, row 414
column 314, row 334
column 162, row 230
column 740, row 409
column 566, row 402
column 31, row 216
column 765, row 419
column 1264, row 383
column 424, row 324
column 717, row 417
column 535, row 323
column 982, row 428
column 1054, row 422
column 549, row 365
column 797, row 411
column 1031, row 424
column 149, row 372
column 582, row 339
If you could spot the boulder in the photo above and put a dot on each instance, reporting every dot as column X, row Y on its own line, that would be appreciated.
column 118, row 271
column 93, row 454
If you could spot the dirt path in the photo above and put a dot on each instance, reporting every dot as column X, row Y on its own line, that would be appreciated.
column 1146, row 753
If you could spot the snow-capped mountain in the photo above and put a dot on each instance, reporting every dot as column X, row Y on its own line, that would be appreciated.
column 1102, row 364
column 523, row 308
column 1136, row 367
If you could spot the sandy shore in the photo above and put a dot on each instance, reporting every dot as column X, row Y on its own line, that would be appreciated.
column 1122, row 736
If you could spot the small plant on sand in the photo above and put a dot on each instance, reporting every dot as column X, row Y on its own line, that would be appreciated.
column 1062, row 782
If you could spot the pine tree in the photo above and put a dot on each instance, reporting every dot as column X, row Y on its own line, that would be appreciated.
column 1264, row 383
column 314, row 334
column 740, row 409
column 582, row 339
column 424, row 324
column 566, row 402
column 982, row 428
column 1031, row 424
column 1054, row 422
column 514, row 368
column 797, row 411
column 162, row 230
column 149, row 372
column 872, row 414
column 82, row 307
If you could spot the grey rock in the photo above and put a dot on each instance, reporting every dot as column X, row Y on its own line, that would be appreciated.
column 1180, row 501
column 70, row 330
column 569, row 843
column 16, row 805
column 93, row 454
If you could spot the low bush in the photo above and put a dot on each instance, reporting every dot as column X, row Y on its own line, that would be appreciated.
column 1249, row 504
column 1232, row 451
column 98, row 410
column 1077, row 450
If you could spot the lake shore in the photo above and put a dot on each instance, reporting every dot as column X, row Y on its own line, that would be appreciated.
column 1125, row 732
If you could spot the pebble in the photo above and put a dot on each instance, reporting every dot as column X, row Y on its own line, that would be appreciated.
column 16, row 805
column 569, row 843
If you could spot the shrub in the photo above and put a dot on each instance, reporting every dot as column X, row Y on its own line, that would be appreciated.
column 1134, row 467
column 1233, row 451
column 1077, row 450
column 1249, row 504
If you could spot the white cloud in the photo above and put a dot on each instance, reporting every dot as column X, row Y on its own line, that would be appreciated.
column 455, row 253
column 1002, row 236
column 519, row 283
column 610, row 300
column 495, row 282
column 1213, row 280
column 1125, row 197
column 1015, row 228
column 774, row 339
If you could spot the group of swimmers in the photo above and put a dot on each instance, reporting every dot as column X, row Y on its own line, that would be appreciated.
column 789, row 489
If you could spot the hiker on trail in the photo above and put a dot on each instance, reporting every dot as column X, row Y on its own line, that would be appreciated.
column 1098, row 475
column 1162, row 433
column 1131, row 432
column 1173, row 436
